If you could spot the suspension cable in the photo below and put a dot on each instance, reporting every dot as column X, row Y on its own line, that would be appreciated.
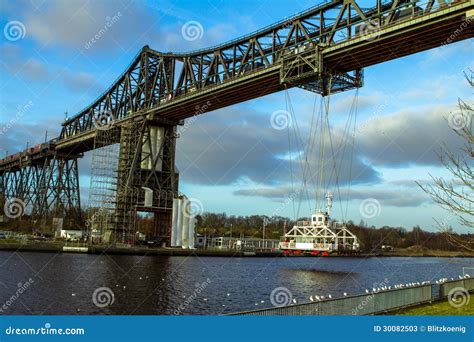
column 323, row 144
column 356, row 105
column 342, row 147
column 322, row 120
column 289, row 149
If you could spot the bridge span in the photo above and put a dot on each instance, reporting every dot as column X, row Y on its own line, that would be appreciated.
column 323, row 49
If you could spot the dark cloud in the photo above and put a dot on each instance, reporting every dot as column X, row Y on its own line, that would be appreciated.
column 231, row 145
column 273, row 193
column 390, row 197
column 396, row 197
column 235, row 144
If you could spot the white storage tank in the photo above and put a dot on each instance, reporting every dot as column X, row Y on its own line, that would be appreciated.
column 174, row 225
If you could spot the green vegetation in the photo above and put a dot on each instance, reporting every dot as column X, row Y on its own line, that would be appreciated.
column 422, row 251
column 414, row 242
column 9, row 241
column 403, row 242
column 443, row 308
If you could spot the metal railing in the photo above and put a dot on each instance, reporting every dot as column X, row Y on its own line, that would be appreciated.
column 446, row 287
column 373, row 303
column 368, row 304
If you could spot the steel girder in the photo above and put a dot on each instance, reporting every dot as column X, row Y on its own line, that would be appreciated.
column 156, row 84
column 149, row 80
column 136, row 146
column 46, row 189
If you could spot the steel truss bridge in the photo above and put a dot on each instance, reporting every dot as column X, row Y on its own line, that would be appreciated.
column 323, row 49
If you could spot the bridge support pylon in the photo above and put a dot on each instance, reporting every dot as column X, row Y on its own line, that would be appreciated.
column 44, row 189
column 146, row 181
column 58, row 194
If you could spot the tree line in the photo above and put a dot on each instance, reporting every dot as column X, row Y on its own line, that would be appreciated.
column 371, row 238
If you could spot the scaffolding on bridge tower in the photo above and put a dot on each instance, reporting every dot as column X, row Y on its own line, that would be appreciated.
column 147, row 179
column 103, row 182
column 133, row 171
column 322, row 49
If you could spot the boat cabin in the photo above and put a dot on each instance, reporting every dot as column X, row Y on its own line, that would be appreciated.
column 319, row 219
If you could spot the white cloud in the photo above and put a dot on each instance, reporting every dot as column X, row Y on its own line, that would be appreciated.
column 408, row 137
column 16, row 63
column 74, row 23
column 78, row 81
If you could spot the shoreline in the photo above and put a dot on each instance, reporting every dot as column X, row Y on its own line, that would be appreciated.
column 136, row 250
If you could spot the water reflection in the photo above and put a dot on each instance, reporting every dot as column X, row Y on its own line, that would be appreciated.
column 64, row 283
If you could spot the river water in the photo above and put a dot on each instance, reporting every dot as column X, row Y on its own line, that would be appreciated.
column 157, row 285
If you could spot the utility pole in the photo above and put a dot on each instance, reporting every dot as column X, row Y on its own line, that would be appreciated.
column 264, row 224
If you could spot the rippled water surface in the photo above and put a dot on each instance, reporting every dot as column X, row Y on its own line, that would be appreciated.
column 156, row 285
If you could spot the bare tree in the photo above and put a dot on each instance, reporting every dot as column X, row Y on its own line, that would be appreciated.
column 456, row 195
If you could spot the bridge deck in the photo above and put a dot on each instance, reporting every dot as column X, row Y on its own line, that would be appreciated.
column 394, row 41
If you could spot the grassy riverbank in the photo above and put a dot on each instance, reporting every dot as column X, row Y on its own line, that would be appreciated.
column 421, row 251
column 57, row 246
column 442, row 308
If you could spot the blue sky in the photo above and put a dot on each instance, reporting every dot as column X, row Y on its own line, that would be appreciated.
column 231, row 159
